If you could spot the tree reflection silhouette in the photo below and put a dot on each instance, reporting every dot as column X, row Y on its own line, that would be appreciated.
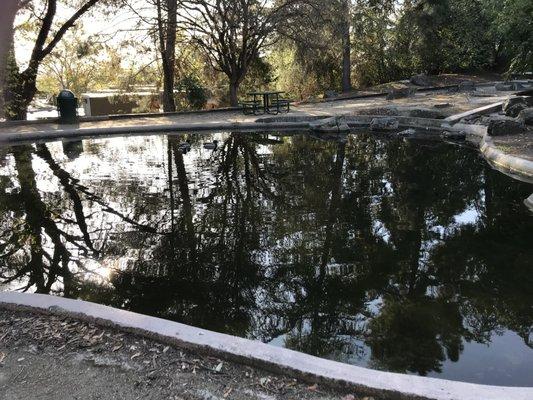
column 403, row 250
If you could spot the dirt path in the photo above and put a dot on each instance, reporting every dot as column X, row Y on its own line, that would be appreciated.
column 47, row 357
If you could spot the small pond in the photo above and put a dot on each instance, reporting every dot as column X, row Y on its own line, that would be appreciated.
column 408, row 256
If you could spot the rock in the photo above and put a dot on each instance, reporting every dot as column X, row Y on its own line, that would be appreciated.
column 400, row 93
column 526, row 116
column 515, row 109
column 503, row 87
column 333, row 124
column 511, row 102
column 407, row 132
column 467, row 86
column 384, row 124
column 420, row 80
column 454, row 135
column 442, row 105
column 502, row 127
column 330, row 94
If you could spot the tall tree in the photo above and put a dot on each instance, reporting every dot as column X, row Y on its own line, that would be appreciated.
column 166, row 29
column 233, row 33
column 8, row 11
column 21, row 86
column 346, row 46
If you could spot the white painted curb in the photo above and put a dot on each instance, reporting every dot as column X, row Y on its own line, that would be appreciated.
column 275, row 359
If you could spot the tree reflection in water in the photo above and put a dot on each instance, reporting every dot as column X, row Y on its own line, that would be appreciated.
column 379, row 252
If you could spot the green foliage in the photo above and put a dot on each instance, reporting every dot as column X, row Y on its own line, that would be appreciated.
column 196, row 94
column 513, row 26
column 390, row 40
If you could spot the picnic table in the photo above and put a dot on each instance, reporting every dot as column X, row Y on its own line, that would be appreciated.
column 266, row 102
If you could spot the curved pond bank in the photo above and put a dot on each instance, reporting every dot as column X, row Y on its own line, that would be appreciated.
column 520, row 167
column 278, row 360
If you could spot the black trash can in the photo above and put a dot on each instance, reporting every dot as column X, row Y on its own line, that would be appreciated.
column 67, row 106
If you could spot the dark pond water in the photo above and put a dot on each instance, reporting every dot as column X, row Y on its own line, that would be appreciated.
column 405, row 256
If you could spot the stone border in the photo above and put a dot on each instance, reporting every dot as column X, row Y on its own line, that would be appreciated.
column 257, row 354
column 516, row 167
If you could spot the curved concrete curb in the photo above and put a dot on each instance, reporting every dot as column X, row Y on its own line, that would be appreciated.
column 275, row 359
column 515, row 167
column 519, row 168
column 476, row 133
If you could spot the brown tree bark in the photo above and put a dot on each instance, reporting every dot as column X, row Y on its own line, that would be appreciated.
column 21, row 86
column 234, row 93
column 8, row 11
column 346, row 48
column 167, row 49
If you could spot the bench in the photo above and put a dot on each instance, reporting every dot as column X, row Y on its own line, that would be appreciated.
column 281, row 105
column 251, row 107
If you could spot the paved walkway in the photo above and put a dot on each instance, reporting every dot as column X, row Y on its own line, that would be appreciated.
column 459, row 102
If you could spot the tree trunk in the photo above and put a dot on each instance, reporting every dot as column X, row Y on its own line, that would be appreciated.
column 346, row 48
column 7, row 18
column 234, row 93
column 168, row 87
column 167, row 48
column 21, row 87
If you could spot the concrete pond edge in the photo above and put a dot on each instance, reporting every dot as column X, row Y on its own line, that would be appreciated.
column 256, row 354
column 516, row 167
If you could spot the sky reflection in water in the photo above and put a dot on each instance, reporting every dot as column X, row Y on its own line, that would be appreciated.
column 405, row 256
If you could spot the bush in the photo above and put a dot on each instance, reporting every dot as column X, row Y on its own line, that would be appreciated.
column 196, row 94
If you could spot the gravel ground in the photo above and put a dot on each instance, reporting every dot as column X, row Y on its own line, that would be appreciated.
column 49, row 357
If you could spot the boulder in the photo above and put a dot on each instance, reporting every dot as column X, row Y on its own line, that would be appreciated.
column 400, row 93
column 420, row 80
column 329, row 125
column 384, row 124
column 513, row 105
column 504, row 87
column 515, row 109
column 502, row 127
column 526, row 116
column 467, row 86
